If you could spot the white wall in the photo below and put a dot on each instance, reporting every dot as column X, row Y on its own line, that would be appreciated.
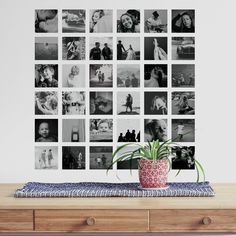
column 215, row 87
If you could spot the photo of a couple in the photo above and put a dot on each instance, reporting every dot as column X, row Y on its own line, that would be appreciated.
column 128, row 48
column 100, row 48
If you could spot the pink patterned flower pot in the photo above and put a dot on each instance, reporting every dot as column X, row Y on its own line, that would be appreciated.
column 153, row 175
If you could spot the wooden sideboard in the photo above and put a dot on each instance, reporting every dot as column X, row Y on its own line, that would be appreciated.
column 179, row 214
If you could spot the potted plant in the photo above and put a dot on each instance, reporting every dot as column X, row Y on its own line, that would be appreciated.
column 153, row 161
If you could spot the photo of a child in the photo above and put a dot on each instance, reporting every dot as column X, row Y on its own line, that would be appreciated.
column 46, row 130
column 46, row 103
column 46, row 75
column 101, row 130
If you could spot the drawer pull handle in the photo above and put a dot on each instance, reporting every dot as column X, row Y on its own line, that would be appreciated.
column 206, row 220
column 90, row 221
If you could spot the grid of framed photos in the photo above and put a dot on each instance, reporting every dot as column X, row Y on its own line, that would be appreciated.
column 105, row 77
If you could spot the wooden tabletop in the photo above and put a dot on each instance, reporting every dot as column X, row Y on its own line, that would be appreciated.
column 225, row 199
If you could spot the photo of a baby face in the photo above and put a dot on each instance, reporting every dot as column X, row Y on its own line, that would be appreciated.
column 103, row 127
column 44, row 130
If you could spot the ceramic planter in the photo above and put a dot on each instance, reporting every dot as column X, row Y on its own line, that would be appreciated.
column 153, row 175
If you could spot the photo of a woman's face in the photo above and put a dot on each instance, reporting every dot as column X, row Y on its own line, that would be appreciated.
column 127, row 21
column 96, row 16
column 187, row 21
column 47, row 73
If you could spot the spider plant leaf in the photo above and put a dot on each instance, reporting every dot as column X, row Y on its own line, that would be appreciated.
column 200, row 169
column 120, row 148
column 178, row 173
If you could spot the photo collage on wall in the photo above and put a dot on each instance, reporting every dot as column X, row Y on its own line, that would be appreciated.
column 105, row 77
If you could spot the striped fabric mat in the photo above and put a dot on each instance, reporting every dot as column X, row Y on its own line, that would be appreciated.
column 91, row 189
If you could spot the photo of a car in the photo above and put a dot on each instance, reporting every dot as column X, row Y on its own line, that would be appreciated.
column 183, row 48
column 186, row 49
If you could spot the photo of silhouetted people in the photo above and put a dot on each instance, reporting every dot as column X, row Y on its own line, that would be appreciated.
column 128, row 130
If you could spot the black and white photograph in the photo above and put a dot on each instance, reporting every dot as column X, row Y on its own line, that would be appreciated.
column 128, row 21
column 183, row 21
column 183, row 75
column 128, row 76
column 155, row 21
column 155, row 129
column 46, row 48
column 183, row 130
column 128, row 103
column 73, row 21
column 101, row 130
column 128, row 48
column 131, row 164
column 73, row 103
column 46, row 76
column 155, row 75
column 100, row 157
column 128, row 130
column 183, row 158
column 183, row 48
column 100, row 48
column 155, row 103
column 46, row 130
column 101, row 21
column 46, row 158
column 73, row 130
column 183, row 103
column 101, row 103
column 73, row 76
column 73, row 48
column 46, row 21
column 155, row 48
column 46, row 103
column 101, row 75
column 73, row 158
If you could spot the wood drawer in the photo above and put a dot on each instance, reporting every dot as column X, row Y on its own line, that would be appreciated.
column 16, row 220
column 193, row 220
column 92, row 220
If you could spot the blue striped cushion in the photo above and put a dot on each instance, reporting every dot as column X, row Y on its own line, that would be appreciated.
column 91, row 189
